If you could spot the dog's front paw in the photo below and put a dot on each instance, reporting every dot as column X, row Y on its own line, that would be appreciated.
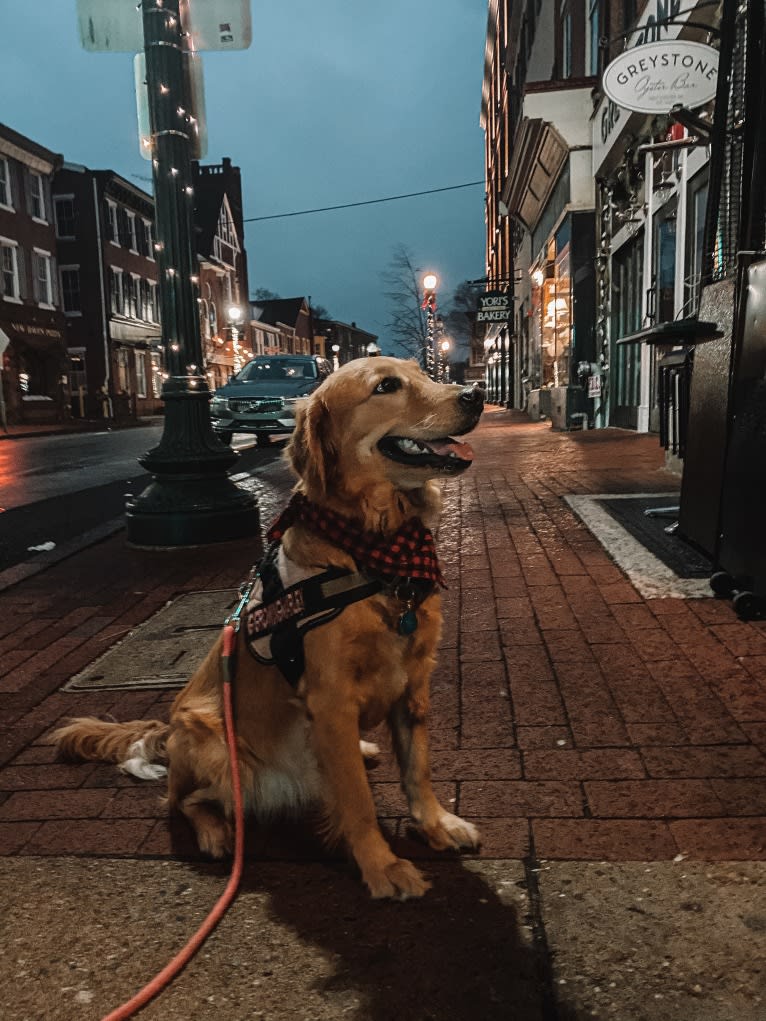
column 450, row 832
column 217, row 840
column 398, row 879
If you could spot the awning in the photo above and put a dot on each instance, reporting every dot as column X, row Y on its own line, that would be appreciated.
column 34, row 336
column 678, row 331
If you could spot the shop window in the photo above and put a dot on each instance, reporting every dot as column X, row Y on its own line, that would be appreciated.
column 551, row 311
column 665, row 269
column 78, row 377
column 695, row 241
column 156, row 374
column 123, row 372
column 140, row 360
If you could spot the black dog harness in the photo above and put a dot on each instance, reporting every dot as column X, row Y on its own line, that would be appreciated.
column 279, row 615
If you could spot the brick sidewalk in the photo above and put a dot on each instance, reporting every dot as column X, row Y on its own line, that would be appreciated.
column 571, row 717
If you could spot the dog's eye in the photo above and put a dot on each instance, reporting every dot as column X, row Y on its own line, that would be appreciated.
column 388, row 385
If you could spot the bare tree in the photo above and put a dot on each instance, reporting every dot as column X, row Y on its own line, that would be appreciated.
column 460, row 319
column 407, row 325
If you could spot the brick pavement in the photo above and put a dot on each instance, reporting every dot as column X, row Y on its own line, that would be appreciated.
column 572, row 719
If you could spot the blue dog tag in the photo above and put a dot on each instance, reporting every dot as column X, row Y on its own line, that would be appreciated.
column 408, row 622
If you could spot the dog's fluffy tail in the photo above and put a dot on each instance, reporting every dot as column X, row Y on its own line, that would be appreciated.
column 138, row 747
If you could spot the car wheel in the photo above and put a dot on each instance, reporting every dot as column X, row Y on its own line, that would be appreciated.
column 225, row 436
column 263, row 439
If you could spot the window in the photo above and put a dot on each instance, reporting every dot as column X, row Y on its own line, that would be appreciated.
column 42, row 277
column 156, row 374
column 70, row 289
column 566, row 38
column 113, row 230
column 36, row 196
column 154, row 315
column 66, row 221
column 123, row 374
column 140, row 357
column 78, row 376
column 149, row 239
column 134, row 297
column 594, row 34
column 9, row 271
column 695, row 241
column 116, row 290
column 6, row 197
column 132, row 232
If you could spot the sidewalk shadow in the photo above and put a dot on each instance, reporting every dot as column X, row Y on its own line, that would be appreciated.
column 458, row 954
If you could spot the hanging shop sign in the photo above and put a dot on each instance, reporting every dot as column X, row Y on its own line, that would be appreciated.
column 658, row 76
column 494, row 307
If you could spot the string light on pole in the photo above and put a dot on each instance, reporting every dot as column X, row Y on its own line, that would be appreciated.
column 430, row 283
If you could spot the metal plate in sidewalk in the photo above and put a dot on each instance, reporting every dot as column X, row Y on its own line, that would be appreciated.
column 163, row 652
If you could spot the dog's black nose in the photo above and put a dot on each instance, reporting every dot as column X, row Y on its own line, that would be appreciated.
column 472, row 398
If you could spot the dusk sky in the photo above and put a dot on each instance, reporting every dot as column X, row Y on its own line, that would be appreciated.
column 334, row 102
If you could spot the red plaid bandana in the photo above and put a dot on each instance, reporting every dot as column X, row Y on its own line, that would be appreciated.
column 410, row 553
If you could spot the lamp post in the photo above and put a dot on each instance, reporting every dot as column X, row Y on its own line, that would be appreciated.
column 190, row 500
column 234, row 312
column 430, row 283
column 335, row 352
column 444, row 347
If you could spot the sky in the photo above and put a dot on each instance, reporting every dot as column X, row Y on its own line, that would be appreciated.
column 334, row 102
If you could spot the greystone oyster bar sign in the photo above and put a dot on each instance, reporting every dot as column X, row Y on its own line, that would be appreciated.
column 658, row 76
column 494, row 307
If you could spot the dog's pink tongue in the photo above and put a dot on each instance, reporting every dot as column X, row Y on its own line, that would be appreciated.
column 444, row 447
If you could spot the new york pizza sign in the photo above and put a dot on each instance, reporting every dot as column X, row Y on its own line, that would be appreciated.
column 658, row 76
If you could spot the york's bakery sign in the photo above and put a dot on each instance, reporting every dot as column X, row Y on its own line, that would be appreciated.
column 653, row 26
column 656, row 77
column 494, row 307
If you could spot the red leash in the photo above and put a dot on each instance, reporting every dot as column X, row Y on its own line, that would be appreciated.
column 182, row 958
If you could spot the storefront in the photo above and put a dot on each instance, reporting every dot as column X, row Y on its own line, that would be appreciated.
column 651, row 176
column 34, row 364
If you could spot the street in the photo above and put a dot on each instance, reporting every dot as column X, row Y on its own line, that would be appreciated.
column 55, row 488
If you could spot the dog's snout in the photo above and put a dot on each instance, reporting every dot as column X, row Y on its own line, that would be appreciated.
column 471, row 398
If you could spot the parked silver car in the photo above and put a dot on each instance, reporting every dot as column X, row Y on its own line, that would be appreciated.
column 261, row 397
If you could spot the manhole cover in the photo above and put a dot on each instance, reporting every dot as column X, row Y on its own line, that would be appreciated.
column 164, row 651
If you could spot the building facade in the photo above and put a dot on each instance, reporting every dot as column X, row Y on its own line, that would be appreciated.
column 594, row 214
column 540, row 205
column 290, row 318
column 108, row 274
column 224, row 307
column 33, row 356
column 651, row 176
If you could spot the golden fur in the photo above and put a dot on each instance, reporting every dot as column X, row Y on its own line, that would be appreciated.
column 301, row 748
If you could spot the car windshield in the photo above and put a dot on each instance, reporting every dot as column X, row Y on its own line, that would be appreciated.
column 278, row 368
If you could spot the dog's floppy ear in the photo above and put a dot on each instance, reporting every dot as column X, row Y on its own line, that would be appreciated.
column 311, row 451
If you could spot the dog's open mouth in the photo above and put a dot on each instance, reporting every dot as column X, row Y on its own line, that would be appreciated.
column 445, row 454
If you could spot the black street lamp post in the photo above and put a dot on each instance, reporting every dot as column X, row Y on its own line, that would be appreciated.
column 191, row 500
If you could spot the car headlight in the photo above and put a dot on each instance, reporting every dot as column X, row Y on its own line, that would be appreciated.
column 218, row 404
column 290, row 404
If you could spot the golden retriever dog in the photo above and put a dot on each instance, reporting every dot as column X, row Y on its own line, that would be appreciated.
column 367, row 449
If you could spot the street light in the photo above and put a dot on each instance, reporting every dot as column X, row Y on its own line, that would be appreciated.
column 191, row 500
column 234, row 313
column 430, row 283
column 444, row 347
column 372, row 349
column 335, row 351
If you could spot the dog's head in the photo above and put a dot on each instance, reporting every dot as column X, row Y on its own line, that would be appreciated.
column 381, row 421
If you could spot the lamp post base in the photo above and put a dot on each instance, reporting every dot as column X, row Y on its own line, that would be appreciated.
column 191, row 500
column 190, row 511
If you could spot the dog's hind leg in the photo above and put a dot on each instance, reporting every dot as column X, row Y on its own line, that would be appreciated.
column 441, row 828
column 215, row 833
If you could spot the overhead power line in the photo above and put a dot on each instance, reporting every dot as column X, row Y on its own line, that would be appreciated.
column 367, row 202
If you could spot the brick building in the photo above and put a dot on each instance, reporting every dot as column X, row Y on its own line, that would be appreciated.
column 33, row 386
